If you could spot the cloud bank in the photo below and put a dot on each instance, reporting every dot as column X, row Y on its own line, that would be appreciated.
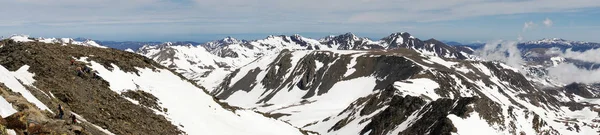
column 23, row 12
column 507, row 52
column 592, row 55
column 569, row 73
column 503, row 51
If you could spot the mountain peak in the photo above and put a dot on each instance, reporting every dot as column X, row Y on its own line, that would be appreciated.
column 229, row 39
column 349, row 34
column 168, row 43
column 433, row 40
column 270, row 36
column 297, row 35
column 400, row 34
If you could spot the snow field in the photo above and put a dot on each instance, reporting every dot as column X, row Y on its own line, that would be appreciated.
column 190, row 106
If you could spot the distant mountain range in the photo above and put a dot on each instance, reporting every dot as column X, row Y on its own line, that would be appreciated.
column 559, row 43
column 542, row 43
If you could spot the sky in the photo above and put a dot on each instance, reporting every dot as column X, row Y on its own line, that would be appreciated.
column 205, row 20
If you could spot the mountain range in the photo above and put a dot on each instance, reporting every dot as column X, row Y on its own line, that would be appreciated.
column 341, row 84
column 542, row 43
column 399, row 84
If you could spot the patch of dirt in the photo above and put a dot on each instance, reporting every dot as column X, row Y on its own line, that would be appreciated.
column 145, row 99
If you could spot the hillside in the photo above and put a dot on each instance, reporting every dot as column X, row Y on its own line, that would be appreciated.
column 402, row 92
column 125, row 99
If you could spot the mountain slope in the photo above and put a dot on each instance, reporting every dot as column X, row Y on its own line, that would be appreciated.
column 127, row 98
column 400, row 91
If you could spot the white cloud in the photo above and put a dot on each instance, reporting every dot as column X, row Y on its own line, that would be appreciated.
column 569, row 73
column 531, row 25
column 508, row 53
column 504, row 51
column 528, row 26
column 548, row 22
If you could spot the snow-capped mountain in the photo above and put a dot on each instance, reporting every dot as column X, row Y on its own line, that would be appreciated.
column 223, row 42
column 349, row 41
column 431, row 46
column 559, row 43
column 63, row 41
column 542, row 43
column 211, row 61
column 336, row 85
column 397, row 85
column 124, row 93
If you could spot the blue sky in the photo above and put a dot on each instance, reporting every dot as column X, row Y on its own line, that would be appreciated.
column 203, row 20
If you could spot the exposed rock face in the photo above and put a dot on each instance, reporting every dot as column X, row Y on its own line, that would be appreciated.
column 318, row 80
column 400, row 108
column 580, row 90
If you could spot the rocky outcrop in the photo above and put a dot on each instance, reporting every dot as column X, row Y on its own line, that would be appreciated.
column 88, row 97
column 580, row 90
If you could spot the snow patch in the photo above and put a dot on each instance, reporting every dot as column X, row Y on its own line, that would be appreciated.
column 441, row 61
column 24, row 75
column 418, row 87
column 557, row 60
column 190, row 106
column 472, row 125
column 11, row 132
column 20, row 38
column 318, row 65
column 350, row 66
column 6, row 108
column 337, row 99
column 10, row 80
